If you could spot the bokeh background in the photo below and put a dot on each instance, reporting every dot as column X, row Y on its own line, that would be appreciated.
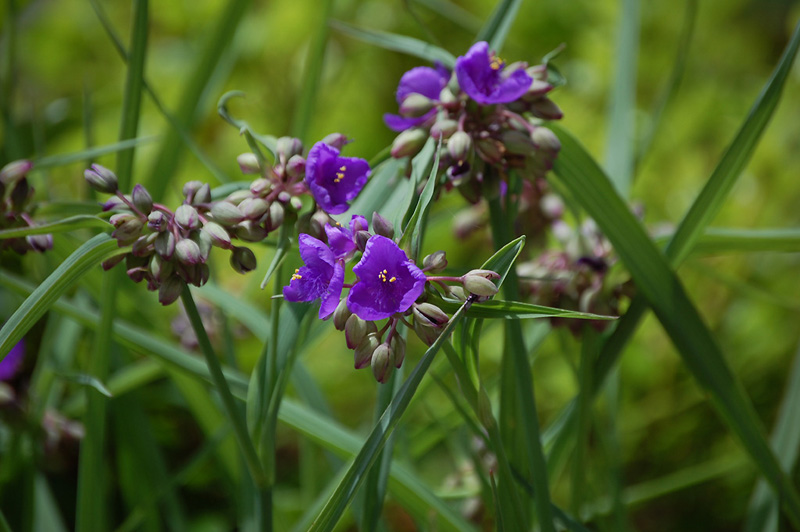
column 62, row 89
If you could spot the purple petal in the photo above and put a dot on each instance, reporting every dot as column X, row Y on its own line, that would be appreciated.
column 330, row 300
column 422, row 80
column 485, row 84
column 401, row 123
column 10, row 365
column 334, row 180
column 340, row 240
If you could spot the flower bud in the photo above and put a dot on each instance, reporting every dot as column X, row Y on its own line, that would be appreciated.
column 409, row 143
column 13, row 171
column 415, row 105
column 478, row 282
column 381, row 363
column 202, row 196
column 458, row 145
column 356, row 329
column 552, row 206
column 275, row 216
column 258, row 187
column 435, row 262
column 165, row 245
column 196, row 274
column 253, row 208
column 337, row 140
column 296, row 203
column 186, row 216
column 457, row 292
column 517, row 142
column 286, row 147
column 142, row 199
column 226, row 213
column 101, row 179
column 144, row 245
column 114, row 203
column 190, row 188
column 363, row 353
column 382, row 226
column 444, row 128
column 243, row 260
column 136, row 267
column 284, row 196
column 429, row 315
column 361, row 238
column 170, row 290
column 157, row 221
column 296, row 168
column 490, row 150
column 20, row 194
column 218, row 235
column 40, row 243
column 204, row 242
column 537, row 89
column 545, row 108
column 128, row 231
column 160, row 269
column 446, row 96
column 248, row 163
column 188, row 252
column 398, row 350
column 546, row 139
column 341, row 315
column 537, row 72
column 113, row 261
column 427, row 334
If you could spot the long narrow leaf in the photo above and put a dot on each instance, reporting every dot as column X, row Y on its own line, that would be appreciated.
column 496, row 28
column 67, row 224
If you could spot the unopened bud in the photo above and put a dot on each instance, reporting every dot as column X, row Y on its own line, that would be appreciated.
column 202, row 196
column 165, row 245
column 458, row 145
column 429, row 315
column 219, row 236
column 204, row 242
column 415, row 105
column 296, row 203
column 128, row 231
column 170, row 290
column 545, row 108
column 190, row 188
column 537, row 89
column 157, row 221
column 444, row 128
column 144, row 245
column 142, row 199
column 382, row 226
column 552, row 206
column 409, row 143
column 296, row 168
column 40, row 243
column 226, row 213
column 363, row 353
column 490, row 150
column 337, row 140
column 258, row 187
column 356, row 329
column 243, row 260
column 275, row 216
column 188, row 252
column 398, row 350
column 20, row 194
column 248, row 163
column 517, row 142
column 186, row 216
column 101, row 179
column 546, row 139
column 479, row 282
column 427, row 334
column 14, row 170
column 113, row 261
column 253, row 208
column 286, row 147
column 435, row 262
column 341, row 315
column 381, row 363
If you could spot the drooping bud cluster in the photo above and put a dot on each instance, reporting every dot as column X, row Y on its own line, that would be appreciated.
column 15, row 196
column 389, row 286
column 486, row 112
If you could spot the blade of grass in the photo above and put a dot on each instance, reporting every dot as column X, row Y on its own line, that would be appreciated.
column 413, row 232
column 67, row 224
column 453, row 13
column 495, row 30
column 513, row 310
column 53, row 161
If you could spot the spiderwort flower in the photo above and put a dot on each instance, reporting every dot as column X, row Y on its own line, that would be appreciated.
column 334, row 180
column 12, row 361
column 388, row 281
column 426, row 81
column 480, row 74
column 341, row 239
column 322, row 277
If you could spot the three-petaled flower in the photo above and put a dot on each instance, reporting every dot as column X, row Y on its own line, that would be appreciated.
column 334, row 180
column 322, row 277
column 388, row 281
column 341, row 239
column 426, row 81
column 481, row 75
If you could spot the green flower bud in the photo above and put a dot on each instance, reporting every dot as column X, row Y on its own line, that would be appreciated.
column 286, row 147
column 259, row 187
column 341, row 315
column 190, row 189
column 243, row 260
column 226, row 213
column 356, row 329
column 13, row 171
column 429, row 315
column 427, row 334
column 170, row 290
column 188, row 252
column 20, row 194
column 381, row 363
column 459, row 145
column 202, row 196
column 219, row 236
column 296, row 203
column 204, row 242
column 546, row 109
column 435, row 262
column 275, row 216
column 250, row 231
column 296, row 168
column 128, row 231
column 490, row 150
column 186, row 216
column 142, row 199
column 40, row 243
column 113, row 261
column 248, row 163
column 361, row 238
column 337, row 140
column 444, row 128
column 144, row 245
column 546, row 139
column 409, row 143
column 363, row 353
column 253, row 208
column 479, row 282
column 157, row 221
column 398, row 350
column 101, row 179
column 165, row 245
column 517, row 142
column 415, row 105
column 382, row 226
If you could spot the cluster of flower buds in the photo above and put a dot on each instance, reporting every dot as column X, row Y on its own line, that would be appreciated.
column 15, row 197
column 389, row 286
column 486, row 110
column 579, row 277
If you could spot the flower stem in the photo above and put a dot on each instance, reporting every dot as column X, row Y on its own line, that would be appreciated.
column 218, row 379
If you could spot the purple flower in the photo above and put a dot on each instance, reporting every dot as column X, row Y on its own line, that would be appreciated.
column 12, row 361
column 340, row 238
column 426, row 81
column 334, row 180
column 480, row 74
column 322, row 277
column 388, row 282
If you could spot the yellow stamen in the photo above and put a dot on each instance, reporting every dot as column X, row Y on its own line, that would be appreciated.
column 342, row 168
column 497, row 63
column 393, row 279
column 296, row 275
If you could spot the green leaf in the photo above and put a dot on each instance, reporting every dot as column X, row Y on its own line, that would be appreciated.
column 414, row 229
column 383, row 185
column 87, row 380
column 397, row 43
column 53, row 161
column 514, row 310
column 67, row 224
column 728, row 240
column 661, row 288
column 284, row 246
column 267, row 141
column 496, row 28
column 420, row 164
column 86, row 257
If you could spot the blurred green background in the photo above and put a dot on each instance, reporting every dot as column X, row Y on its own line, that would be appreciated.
column 63, row 86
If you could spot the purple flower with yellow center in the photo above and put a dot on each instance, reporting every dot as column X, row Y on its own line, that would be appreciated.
column 481, row 75
column 341, row 239
column 10, row 365
column 426, row 81
column 388, row 282
column 334, row 180
column 322, row 277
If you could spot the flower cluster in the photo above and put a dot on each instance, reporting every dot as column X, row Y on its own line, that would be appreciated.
column 486, row 111
column 15, row 197
column 389, row 286
column 170, row 248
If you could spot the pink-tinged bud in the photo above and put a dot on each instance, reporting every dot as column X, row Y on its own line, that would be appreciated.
column 14, row 170
column 248, row 163
column 337, row 140
column 537, row 89
column 427, row 334
column 398, row 350
column 253, row 208
column 159, row 268
column 415, row 105
column 546, row 139
column 490, row 150
column 157, row 221
column 188, row 252
column 479, row 282
column 128, row 231
column 219, row 236
column 190, row 189
column 545, row 108
column 202, row 196
column 296, row 203
column 459, row 146
column 537, row 72
column 286, row 147
column 101, row 179
column 170, row 290
column 226, row 213
column 363, row 353
column 444, row 128
column 284, row 196
column 552, row 206
column 409, row 143
column 136, row 268
column 204, row 242
column 341, row 315
column 250, row 231
column 113, row 261
column 186, row 216
column 196, row 274
column 296, row 168
column 165, row 245
column 142, row 199
column 144, row 245
column 435, row 262
column 259, row 187
column 356, row 329
column 275, row 216
column 361, row 238
column 243, row 260
column 114, row 203
column 381, row 363
column 40, row 243
column 429, row 315
column 21, row 194
column 447, row 98
column 382, row 226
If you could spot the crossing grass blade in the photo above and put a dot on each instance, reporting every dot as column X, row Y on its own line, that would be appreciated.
column 413, row 231
column 513, row 310
column 72, row 223
column 717, row 241
column 495, row 30
column 663, row 291
column 86, row 257
column 397, row 43
column 53, row 161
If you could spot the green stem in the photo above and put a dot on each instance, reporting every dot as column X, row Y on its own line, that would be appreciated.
column 218, row 379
